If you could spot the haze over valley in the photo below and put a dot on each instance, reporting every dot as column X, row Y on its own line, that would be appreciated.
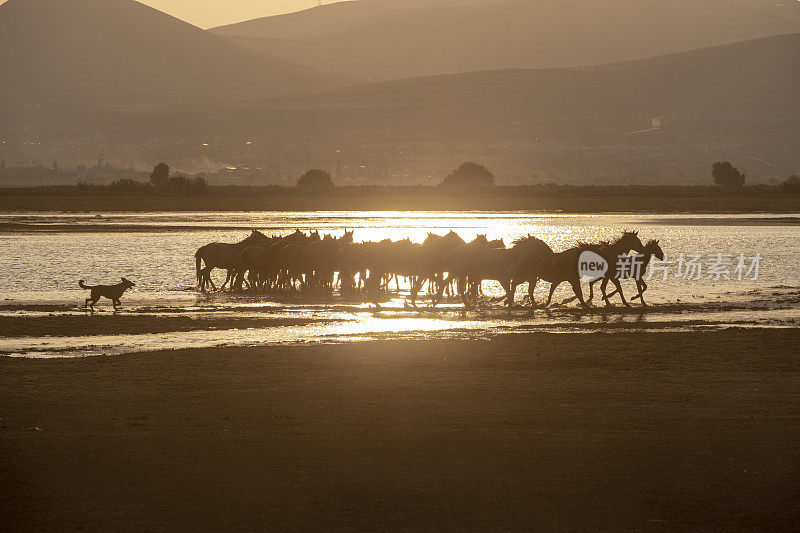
column 386, row 92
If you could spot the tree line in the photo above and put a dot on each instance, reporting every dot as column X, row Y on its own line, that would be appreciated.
column 468, row 179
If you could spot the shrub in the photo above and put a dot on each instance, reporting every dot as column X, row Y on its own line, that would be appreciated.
column 791, row 185
column 470, row 175
column 315, row 178
column 726, row 175
column 160, row 175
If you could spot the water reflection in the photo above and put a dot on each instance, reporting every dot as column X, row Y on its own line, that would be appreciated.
column 39, row 269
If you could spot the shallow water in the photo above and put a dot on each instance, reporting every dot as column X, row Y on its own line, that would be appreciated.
column 43, row 256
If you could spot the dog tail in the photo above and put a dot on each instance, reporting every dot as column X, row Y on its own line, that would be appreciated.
column 82, row 286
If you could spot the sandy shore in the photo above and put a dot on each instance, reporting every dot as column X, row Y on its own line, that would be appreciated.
column 109, row 324
column 617, row 431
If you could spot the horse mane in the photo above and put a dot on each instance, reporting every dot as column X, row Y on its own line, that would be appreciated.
column 255, row 235
column 625, row 234
column 530, row 240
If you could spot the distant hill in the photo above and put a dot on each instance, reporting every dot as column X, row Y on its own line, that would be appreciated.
column 663, row 117
column 367, row 39
column 331, row 18
column 123, row 52
column 759, row 75
column 741, row 82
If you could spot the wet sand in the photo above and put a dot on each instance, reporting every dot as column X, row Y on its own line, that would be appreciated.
column 119, row 324
column 620, row 431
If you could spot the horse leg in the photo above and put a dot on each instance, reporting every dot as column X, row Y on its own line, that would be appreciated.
column 569, row 300
column 576, row 288
column 461, row 285
column 437, row 297
column 207, row 279
column 531, row 288
column 465, row 299
column 228, row 278
column 603, row 285
column 553, row 286
column 618, row 285
column 372, row 285
column 641, row 287
column 238, row 280
column 612, row 293
column 469, row 287
column 511, row 289
column 415, row 287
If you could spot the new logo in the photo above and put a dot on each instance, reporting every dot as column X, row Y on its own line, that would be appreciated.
column 591, row 266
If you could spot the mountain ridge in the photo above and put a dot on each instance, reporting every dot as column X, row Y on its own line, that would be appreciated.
column 517, row 34
column 124, row 52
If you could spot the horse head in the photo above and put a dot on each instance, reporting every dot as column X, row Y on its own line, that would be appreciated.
column 653, row 248
column 347, row 238
column 480, row 239
column 532, row 242
column 629, row 240
column 256, row 237
column 431, row 238
column 453, row 238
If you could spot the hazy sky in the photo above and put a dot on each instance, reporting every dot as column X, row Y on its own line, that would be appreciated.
column 209, row 13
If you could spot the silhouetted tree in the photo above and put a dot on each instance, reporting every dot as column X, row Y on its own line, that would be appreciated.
column 469, row 175
column 160, row 175
column 726, row 175
column 315, row 178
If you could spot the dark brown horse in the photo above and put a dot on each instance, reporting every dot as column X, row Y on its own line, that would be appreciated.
column 476, row 261
column 610, row 252
column 651, row 249
column 222, row 255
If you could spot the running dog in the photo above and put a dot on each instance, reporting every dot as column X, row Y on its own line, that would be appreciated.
column 112, row 292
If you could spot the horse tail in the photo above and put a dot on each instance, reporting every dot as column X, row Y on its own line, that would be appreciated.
column 82, row 286
column 198, row 263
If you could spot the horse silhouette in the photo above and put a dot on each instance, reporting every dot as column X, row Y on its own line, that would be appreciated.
column 476, row 261
column 310, row 262
column 651, row 249
column 610, row 252
column 222, row 255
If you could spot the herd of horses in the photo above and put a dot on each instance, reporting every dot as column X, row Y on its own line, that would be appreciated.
column 447, row 264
